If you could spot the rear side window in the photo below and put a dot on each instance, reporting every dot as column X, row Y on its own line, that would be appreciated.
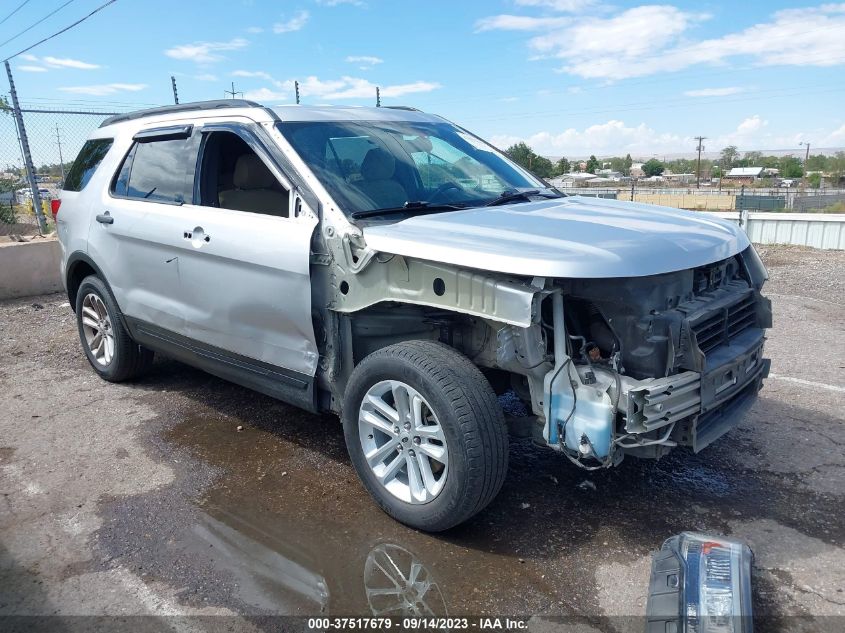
column 157, row 171
column 83, row 168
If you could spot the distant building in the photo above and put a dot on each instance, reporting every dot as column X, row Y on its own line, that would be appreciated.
column 637, row 170
column 679, row 178
column 745, row 175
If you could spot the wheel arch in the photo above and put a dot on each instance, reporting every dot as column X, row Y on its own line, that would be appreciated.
column 79, row 266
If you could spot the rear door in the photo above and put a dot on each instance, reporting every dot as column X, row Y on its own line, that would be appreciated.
column 134, row 235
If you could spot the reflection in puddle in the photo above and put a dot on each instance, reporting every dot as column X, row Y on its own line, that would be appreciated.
column 285, row 569
column 266, row 578
column 398, row 583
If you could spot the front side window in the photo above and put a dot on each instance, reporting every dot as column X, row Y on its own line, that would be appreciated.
column 373, row 165
column 83, row 168
column 157, row 171
column 233, row 176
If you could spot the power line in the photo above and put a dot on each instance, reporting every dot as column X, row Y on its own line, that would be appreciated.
column 67, row 28
column 32, row 26
column 19, row 7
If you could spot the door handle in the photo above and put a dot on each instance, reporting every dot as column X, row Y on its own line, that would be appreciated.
column 196, row 236
column 105, row 218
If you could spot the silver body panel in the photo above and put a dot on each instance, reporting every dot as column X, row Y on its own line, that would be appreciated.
column 575, row 237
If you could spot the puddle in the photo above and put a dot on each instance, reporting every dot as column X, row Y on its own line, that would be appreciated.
column 272, row 520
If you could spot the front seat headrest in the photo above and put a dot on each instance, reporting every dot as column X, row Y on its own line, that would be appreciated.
column 251, row 173
column 378, row 165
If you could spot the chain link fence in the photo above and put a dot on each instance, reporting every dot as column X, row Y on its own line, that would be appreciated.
column 55, row 138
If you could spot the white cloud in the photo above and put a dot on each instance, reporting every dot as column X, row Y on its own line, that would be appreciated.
column 252, row 73
column 518, row 23
column 338, row 89
column 265, row 95
column 205, row 77
column 293, row 24
column 714, row 92
column 651, row 39
column 59, row 62
column 32, row 69
column 613, row 137
column 837, row 137
column 205, row 52
column 564, row 6
column 336, row 3
column 401, row 90
column 255, row 29
column 101, row 90
column 366, row 62
column 55, row 62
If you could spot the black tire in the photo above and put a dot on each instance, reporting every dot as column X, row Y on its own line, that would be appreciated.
column 129, row 359
column 471, row 419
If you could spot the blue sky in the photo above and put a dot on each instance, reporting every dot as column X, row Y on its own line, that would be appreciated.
column 571, row 77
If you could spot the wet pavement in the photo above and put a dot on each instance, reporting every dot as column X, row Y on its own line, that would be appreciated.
column 145, row 498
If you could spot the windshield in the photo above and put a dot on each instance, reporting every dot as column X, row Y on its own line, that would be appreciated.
column 368, row 166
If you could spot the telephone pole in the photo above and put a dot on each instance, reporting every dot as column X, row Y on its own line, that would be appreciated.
column 175, row 92
column 700, row 147
column 378, row 97
column 806, row 158
column 232, row 91
column 296, row 90
column 61, row 160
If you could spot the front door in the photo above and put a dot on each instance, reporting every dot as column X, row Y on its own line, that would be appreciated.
column 244, row 258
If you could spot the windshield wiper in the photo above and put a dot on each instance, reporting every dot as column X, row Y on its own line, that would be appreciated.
column 509, row 195
column 411, row 205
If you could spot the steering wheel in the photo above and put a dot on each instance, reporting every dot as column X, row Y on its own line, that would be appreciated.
column 446, row 186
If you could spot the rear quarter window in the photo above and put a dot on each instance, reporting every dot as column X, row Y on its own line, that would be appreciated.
column 86, row 163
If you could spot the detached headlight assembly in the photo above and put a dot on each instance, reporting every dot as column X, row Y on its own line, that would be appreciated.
column 700, row 584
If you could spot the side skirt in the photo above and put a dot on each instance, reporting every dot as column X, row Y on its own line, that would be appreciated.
column 277, row 382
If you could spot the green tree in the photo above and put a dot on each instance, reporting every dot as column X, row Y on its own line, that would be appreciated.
column 593, row 164
column 653, row 167
column 815, row 180
column 526, row 157
column 562, row 166
column 752, row 159
column 790, row 167
column 818, row 162
column 628, row 162
column 728, row 156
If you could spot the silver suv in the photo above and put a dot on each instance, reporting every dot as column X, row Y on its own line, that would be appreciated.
column 391, row 267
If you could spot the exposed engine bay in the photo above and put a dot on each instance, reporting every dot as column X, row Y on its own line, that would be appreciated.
column 654, row 362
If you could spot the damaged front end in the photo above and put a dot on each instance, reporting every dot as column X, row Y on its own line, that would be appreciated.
column 644, row 364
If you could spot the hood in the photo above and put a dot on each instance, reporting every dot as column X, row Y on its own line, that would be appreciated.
column 567, row 237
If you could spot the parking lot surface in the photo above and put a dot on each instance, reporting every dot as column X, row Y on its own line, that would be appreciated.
column 146, row 498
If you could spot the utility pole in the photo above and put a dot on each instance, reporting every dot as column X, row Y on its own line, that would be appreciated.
column 700, row 139
column 232, row 91
column 175, row 92
column 61, row 160
column 806, row 158
column 296, row 90
column 378, row 97
column 27, row 157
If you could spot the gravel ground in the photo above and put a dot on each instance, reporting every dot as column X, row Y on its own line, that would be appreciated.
column 145, row 498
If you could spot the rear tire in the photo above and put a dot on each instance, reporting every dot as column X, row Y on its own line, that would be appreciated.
column 107, row 345
column 458, row 421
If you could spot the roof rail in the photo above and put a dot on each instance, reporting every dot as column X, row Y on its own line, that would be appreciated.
column 182, row 107
column 400, row 107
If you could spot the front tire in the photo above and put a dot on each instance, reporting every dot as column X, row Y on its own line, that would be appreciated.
column 107, row 345
column 425, row 433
